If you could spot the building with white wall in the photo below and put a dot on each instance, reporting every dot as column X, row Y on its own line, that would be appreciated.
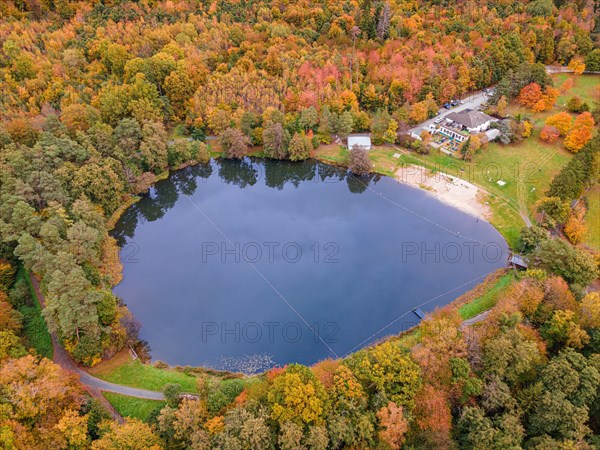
column 361, row 141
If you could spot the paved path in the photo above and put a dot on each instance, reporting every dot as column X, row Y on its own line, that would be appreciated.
column 63, row 359
column 473, row 320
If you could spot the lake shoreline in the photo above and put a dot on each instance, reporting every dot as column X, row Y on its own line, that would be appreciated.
column 231, row 175
column 446, row 188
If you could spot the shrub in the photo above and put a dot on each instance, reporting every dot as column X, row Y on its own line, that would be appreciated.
column 577, row 105
column 359, row 162
column 172, row 393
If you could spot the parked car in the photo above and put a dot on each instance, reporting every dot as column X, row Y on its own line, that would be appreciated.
column 454, row 103
column 486, row 90
column 447, row 106
column 462, row 102
column 438, row 120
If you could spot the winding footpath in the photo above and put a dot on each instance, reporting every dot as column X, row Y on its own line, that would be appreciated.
column 95, row 386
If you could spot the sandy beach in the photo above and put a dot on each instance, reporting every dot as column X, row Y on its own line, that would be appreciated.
column 447, row 188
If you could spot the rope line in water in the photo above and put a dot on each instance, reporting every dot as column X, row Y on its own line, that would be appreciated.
column 414, row 307
column 279, row 294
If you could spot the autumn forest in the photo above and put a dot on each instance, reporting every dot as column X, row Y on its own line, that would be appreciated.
column 100, row 99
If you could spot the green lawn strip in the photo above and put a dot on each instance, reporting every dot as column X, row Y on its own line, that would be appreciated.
column 144, row 376
column 487, row 300
column 35, row 328
column 583, row 86
column 506, row 220
column 139, row 408
column 592, row 217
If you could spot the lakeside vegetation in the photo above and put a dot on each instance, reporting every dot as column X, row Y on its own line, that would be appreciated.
column 136, row 374
column 101, row 99
column 487, row 300
column 137, row 408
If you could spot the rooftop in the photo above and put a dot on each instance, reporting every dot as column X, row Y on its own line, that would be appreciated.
column 363, row 141
column 457, row 130
column 469, row 118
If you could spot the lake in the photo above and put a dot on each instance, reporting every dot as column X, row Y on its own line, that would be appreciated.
column 243, row 265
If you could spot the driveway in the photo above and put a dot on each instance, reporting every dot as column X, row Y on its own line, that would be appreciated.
column 472, row 101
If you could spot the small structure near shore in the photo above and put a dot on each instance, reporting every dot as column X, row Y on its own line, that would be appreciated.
column 517, row 262
column 419, row 312
column 363, row 142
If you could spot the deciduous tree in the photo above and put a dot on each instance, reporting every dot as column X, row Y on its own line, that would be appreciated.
column 275, row 140
column 234, row 143
column 300, row 147
column 393, row 425
column 358, row 161
column 297, row 396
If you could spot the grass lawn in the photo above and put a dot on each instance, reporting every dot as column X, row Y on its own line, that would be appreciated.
column 592, row 217
column 585, row 86
column 526, row 169
column 487, row 300
column 332, row 153
column 135, row 374
column 35, row 329
column 138, row 408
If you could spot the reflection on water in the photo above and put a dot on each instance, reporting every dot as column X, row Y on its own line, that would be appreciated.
column 242, row 265
column 242, row 173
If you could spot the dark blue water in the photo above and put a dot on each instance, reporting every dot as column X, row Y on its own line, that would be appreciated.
column 243, row 265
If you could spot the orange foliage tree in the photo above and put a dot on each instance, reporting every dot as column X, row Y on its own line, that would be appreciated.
column 530, row 95
column 394, row 425
column 562, row 121
column 433, row 417
column 533, row 97
column 581, row 133
column 549, row 134
column 558, row 295
column 576, row 228
column 577, row 65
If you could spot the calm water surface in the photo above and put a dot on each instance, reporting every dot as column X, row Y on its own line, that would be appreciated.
column 242, row 265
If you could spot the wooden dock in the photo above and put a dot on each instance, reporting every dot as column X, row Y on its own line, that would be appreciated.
column 419, row 313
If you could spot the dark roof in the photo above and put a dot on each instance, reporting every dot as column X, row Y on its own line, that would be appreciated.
column 469, row 118
column 517, row 260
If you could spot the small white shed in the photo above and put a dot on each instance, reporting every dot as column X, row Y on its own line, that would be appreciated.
column 362, row 141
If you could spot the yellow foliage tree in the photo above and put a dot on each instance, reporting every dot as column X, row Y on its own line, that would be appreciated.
column 590, row 310
column 297, row 396
column 133, row 434
column 7, row 274
column 502, row 106
column 577, row 65
column 576, row 228
column 73, row 428
column 562, row 121
column 577, row 138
